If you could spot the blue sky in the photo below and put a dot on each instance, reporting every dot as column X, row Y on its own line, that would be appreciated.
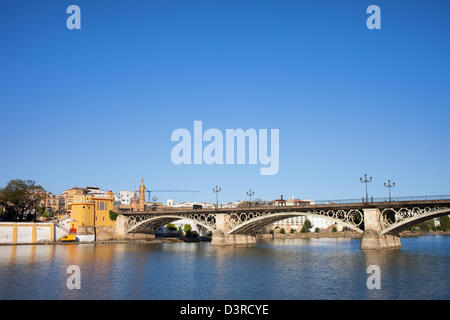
column 97, row 106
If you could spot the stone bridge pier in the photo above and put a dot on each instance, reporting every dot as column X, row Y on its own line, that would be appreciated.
column 121, row 231
column 371, row 238
column 221, row 236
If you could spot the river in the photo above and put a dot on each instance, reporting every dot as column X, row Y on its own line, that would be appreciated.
column 271, row 269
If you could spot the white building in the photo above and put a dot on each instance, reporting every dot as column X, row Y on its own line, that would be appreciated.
column 124, row 197
column 96, row 192
column 320, row 223
column 296, row 223
column 171, row 203
column 290, row 223
column 181, row 223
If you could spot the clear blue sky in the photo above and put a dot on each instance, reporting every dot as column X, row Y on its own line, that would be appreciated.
column 97, row 106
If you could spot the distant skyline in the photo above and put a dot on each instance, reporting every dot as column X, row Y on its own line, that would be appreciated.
column 97, row 106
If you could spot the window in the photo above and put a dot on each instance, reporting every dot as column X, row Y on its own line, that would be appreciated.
column 101, row 206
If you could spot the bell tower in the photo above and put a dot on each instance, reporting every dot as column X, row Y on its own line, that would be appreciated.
column 141, row 205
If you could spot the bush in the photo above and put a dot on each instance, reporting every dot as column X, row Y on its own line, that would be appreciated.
column 191, row 234
column 445, row 223
column 425, row 226
column 282, row 231
column 187, row 227
column 112, row 215
column 171, row 227
column 292, row 230
column 307, row 225
column 334, row 229
column 271, row 231
column 316, row 230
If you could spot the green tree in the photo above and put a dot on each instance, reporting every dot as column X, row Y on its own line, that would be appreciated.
column 445, row 223
column 292, row 230
column 112, row 215
column 180, row 230
column 187, row 227
column 316, row 230
column 334, row 229
column 282, row 231
column 425, row 226
column 24, row 197
column 307, row 225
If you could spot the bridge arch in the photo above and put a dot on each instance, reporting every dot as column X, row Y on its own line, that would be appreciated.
column 153, row 223
column 252, row 225
column 414, row 216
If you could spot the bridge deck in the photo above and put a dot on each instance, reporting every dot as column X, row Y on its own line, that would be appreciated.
column 300, row 208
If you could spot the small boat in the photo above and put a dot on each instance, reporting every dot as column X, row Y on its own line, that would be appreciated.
column 71, row 237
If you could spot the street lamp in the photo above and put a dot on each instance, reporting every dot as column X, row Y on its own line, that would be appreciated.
column 389, row 186
column 250, row 194
column 366, row 181
column 217, row 189
column 154, row 198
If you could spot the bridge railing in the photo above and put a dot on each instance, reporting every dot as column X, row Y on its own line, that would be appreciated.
column 384, row 199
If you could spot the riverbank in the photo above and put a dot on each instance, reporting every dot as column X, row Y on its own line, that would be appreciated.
column 409, row 234
column 345, row 234
column 323, row 234
column 309, row 235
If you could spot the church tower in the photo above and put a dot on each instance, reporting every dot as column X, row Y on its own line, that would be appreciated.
column 141, row 206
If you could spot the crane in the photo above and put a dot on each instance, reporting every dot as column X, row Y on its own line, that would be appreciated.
column 149, row 191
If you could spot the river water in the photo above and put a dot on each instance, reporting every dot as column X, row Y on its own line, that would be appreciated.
column 272, row 269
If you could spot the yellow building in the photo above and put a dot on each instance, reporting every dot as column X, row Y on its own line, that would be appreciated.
column 67, row 197
column 91, row 211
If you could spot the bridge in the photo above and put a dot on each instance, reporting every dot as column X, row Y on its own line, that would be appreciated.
column 379, row 222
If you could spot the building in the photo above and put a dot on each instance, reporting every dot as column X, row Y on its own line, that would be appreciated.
column 190, row 205
column 180, row 224
column 141, row 203
column 322, row 223
column 295, row 223
column 124, row 197
column 96, row 192
column 68, row 196
column 91, row 210
column 51, row 204
column 66, row 199
column 280, row 202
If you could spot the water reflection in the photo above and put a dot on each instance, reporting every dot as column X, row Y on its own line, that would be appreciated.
column 272, row 269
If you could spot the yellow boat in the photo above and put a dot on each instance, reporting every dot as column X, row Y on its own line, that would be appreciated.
column 69, row 238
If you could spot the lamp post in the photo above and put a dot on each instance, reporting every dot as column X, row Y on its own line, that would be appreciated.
column 217, row 189
column 389, row 186
column 366, row 181
column 250, row 194
column 154, row 198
